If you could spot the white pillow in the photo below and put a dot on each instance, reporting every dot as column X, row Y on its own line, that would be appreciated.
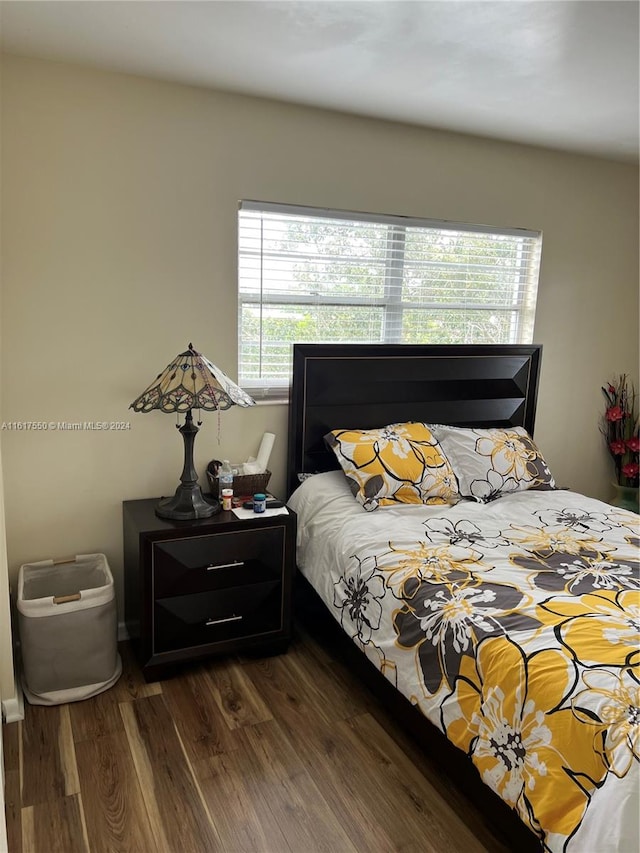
column 490, row 463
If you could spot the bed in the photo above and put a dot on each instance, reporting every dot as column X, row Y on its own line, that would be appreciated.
column 503, row 621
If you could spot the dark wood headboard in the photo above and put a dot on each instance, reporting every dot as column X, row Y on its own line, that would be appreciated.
column 363, row 386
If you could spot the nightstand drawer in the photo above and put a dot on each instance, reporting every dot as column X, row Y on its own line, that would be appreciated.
column 211, row 617
column 219, row 561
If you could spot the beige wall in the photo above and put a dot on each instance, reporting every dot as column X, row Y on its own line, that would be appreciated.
column 8, row 697
column 119, row 199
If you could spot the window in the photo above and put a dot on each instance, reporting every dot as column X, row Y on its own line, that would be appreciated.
column 313, row 275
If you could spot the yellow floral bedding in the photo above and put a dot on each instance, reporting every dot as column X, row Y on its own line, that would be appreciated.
column 515, row 627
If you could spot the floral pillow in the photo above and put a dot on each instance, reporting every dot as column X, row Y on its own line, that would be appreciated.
column 492, row 462
column 400, row 463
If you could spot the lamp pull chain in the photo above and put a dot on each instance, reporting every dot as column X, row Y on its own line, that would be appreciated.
column 205, row 377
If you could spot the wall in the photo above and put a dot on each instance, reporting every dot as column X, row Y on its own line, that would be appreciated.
column 119, row 199
column 10, row 697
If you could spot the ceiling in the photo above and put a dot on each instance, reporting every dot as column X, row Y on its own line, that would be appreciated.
column 562, row 74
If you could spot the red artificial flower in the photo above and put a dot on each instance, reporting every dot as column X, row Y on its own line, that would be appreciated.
column 618, row 448
column 614, row 413
column 633, row 444
column 631, row 470
column 612, row 390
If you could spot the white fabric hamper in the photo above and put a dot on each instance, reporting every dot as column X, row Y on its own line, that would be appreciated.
column 68, row 629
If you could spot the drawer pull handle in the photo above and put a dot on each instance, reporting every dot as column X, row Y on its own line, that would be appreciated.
column 220, row 621
column 233, row 565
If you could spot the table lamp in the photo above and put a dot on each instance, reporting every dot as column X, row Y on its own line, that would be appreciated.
column 190, row 382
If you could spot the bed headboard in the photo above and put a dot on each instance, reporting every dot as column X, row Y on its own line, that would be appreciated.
column 363, row 386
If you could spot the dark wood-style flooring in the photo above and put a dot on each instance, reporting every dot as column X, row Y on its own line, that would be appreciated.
column 288, row 753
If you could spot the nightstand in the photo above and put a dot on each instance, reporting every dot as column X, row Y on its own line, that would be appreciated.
column 212, row 586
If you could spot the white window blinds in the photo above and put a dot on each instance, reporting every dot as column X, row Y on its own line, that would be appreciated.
column 314, row 275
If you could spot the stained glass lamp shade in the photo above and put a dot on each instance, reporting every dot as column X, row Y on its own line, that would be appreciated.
column 190, row 382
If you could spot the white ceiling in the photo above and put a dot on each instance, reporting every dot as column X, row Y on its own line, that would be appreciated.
column 563, row 74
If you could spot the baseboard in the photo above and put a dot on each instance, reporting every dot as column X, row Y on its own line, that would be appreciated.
column 13, row 708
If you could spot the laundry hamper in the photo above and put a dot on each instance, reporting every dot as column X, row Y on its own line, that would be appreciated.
column 68, row 629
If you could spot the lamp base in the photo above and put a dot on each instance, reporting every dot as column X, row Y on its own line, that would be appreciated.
column 188, row 503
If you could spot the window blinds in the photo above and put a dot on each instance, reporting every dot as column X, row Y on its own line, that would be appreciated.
column 316, row 275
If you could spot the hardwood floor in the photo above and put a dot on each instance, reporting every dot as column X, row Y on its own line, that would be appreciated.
column 288, row 754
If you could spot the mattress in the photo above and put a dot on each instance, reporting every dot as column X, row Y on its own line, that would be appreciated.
column 514, row 626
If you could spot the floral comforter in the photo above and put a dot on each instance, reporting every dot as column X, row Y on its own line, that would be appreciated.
column 515, row 627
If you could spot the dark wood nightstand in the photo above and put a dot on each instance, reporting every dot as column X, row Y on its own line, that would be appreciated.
column 211, row 586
